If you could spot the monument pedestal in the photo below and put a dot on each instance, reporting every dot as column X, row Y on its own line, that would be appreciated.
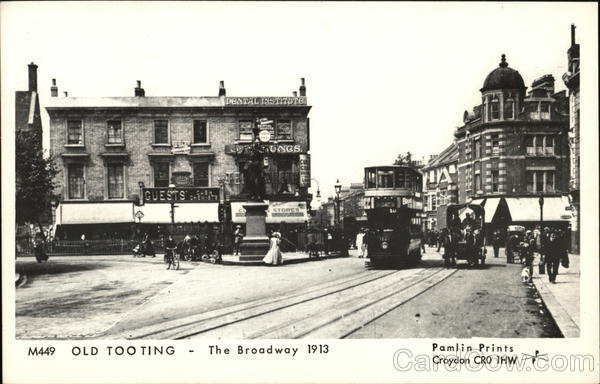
column 256, row 243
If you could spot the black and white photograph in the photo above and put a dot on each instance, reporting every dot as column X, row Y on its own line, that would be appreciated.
column 307, row 191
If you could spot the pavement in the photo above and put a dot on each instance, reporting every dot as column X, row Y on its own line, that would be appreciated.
column 562, row 298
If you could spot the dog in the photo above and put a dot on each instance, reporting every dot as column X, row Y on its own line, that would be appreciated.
column 525, row 277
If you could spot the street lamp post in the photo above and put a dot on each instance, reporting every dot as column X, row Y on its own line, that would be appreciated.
column 173, row 206
column 338, row 189
column 541, row 202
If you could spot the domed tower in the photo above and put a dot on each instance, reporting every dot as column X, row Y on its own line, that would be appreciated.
column 502, row 93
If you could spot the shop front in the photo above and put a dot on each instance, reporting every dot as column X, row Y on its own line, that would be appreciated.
column 94, row 220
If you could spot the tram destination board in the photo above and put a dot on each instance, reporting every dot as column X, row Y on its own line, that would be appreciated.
column 180, row 194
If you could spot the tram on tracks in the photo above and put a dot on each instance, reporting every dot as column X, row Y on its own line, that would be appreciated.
column 393, row 204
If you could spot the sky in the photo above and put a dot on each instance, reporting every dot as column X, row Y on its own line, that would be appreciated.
column 382, row 78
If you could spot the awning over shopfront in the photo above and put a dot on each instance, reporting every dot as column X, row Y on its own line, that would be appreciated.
column 528, row 208
column 160, row 213
column 277, row 212
column 94, row 213
column 491, row 204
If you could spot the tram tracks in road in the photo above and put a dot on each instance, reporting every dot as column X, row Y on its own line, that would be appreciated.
column 330, row 310
column 221, row 317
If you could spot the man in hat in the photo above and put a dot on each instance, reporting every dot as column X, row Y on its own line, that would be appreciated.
column 237, row 239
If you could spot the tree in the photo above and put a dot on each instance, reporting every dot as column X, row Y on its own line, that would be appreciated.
column 34, row 178
column 404, row 160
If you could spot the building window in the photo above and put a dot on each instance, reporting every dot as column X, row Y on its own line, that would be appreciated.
column 116, row 184
column 201, row 174
column 468, row 178
column 495, row 144
column 540, row 144
column 508, row 108
column 74, row 132
column 161, row 175
column 540, row 181
column 495, row 177
column 114, row 132
column 246, row 127
column 477, row 148
column 161, row 132
column 76, row 181
column 200, row 132
column 495, row 108
column 477, row 182
column 545, row 111
column 433, row 202
column 549, row 145
column 284, row 130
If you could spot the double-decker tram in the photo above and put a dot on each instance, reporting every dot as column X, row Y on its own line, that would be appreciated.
column 393, row 204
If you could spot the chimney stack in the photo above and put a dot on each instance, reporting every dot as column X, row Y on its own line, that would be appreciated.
column 32, row 77
column 572, row 34
column 53, row 89
column 139, row 91
column 222, row 90
column 302, row 87
column 66, row 94
column 295, row 93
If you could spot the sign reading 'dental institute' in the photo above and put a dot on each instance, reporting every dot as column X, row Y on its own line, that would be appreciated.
column 166, row 195
column 267, row 101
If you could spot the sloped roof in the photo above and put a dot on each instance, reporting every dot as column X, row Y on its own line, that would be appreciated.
column 448, row 155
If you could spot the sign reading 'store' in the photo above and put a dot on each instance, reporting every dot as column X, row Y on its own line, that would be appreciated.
column 193, row 194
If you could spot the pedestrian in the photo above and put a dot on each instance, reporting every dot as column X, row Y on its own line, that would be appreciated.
column 237, row 239
column 273, row 256
column 359, row 243
column 553, row 256
column 496, row 242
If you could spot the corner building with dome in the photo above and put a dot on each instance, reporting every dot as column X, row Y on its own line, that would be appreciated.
column 513, row 149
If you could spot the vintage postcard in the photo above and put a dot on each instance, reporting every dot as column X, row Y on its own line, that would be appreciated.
column 299, row 192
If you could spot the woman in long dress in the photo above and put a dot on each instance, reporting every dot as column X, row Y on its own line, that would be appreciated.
column 273, row 257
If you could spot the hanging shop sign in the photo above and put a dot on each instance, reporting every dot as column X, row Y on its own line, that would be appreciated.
column 179, row 194
column 264, row 101
column 304, row 168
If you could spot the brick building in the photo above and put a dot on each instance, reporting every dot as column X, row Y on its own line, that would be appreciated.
column 115, row 152
column 440, row 186
column 514, row 148
column 571, row 79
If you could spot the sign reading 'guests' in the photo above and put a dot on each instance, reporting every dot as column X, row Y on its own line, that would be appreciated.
column 193, row 194
column 265, row 101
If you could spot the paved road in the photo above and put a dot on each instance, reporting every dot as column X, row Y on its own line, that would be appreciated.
column 122, row 297
column 487, row 302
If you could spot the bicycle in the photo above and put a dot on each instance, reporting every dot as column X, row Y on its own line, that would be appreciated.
column 172, row 258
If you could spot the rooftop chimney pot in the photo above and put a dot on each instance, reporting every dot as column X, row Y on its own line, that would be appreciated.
column 295, row 93
column 66, row 94
column 139, row 91
column 53, row 89
column 302, row 87
column 32, row 77
column 222, row 90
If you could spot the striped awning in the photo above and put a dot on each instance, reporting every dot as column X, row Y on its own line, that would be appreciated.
column 94, row 213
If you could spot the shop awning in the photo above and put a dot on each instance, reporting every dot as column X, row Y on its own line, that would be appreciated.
column 528, row 208
column 95, row 213
column 491, row 204
column 160, row 213
column 278, row 212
